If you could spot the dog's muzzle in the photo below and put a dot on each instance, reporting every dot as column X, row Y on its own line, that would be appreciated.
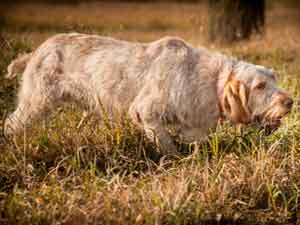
column 271, row 123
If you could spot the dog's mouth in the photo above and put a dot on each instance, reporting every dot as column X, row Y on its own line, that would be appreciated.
column 269, row 125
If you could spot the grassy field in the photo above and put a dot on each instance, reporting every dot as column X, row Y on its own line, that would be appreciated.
column 62, row 174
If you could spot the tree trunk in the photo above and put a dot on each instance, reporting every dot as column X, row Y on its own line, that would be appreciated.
column 2, row 22
column 232, row 20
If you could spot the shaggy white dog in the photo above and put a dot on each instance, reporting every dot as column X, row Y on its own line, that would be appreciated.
column 160, row 84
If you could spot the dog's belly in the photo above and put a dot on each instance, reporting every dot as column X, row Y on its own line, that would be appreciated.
column 198, row 134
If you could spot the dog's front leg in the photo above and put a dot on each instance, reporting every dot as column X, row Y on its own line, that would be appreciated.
column 160, row 136
column 147, row 118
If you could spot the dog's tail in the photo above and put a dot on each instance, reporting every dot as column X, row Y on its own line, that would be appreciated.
column 18, row 65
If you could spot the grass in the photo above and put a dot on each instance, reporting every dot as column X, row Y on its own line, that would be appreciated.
column 111, row 174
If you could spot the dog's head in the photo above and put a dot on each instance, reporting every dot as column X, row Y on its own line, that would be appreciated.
column 251, row 95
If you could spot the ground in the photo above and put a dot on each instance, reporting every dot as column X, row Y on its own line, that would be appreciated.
column 64, row 174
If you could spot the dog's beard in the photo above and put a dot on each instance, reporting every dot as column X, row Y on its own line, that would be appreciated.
column 268, row 125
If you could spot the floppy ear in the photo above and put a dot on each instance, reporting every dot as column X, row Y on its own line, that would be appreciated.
column 235, row 101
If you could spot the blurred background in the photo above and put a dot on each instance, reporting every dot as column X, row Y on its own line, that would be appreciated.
column 204, row 22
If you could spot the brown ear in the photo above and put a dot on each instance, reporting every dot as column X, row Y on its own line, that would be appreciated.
column 235, row 101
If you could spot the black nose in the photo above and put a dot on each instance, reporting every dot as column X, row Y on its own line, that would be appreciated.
column 288, row 103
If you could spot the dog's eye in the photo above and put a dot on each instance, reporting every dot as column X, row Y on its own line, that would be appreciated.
column 260, row 86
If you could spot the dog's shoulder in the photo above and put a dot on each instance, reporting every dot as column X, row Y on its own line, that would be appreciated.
column 169, row 45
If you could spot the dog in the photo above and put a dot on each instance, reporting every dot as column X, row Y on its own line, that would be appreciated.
column 162, row 84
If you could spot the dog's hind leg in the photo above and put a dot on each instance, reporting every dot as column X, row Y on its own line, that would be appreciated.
column 39, row 94
column 33, row 104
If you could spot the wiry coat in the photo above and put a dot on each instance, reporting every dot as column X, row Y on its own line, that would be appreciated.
column 159, row 84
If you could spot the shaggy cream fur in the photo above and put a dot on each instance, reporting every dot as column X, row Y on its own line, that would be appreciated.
column 163, row 84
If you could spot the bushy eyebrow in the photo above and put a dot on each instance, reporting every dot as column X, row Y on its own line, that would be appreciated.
column 270, row 74
column 267, row 72
column 273, row 76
